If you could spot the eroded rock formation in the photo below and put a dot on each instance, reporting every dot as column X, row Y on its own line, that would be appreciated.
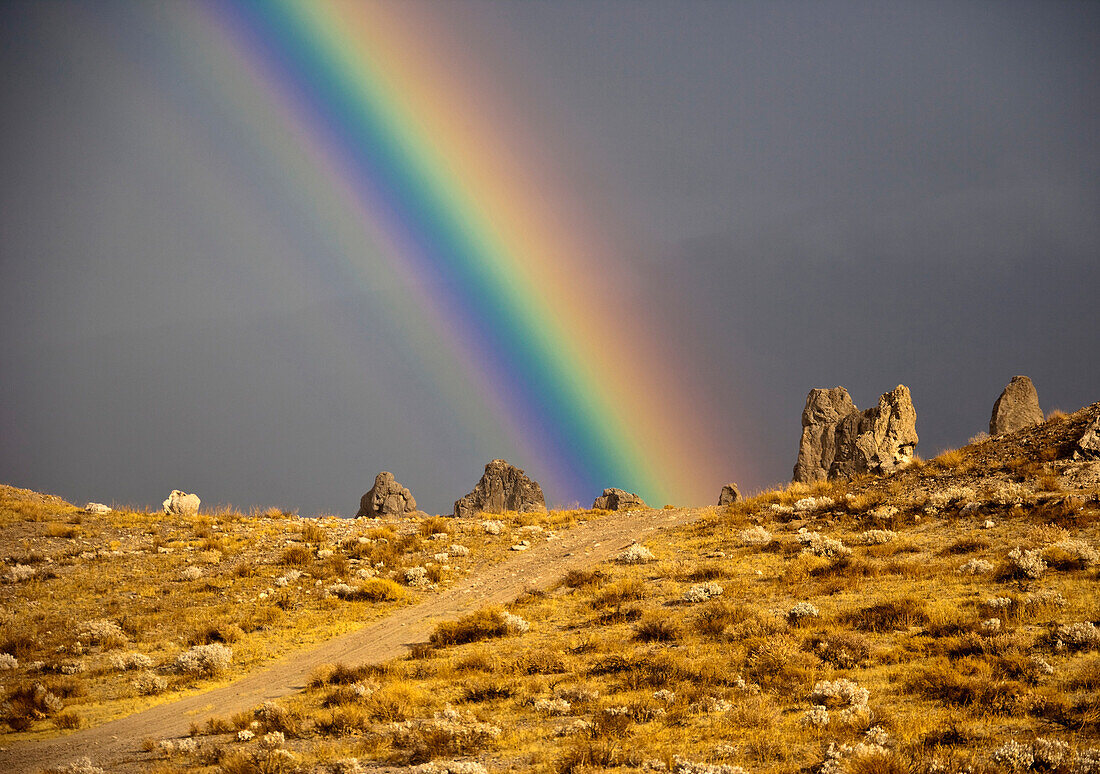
column 1088, row 446
column 1016, row 408
column 181, row 504
column 730, row 495
column 618, row 500
column 823, row 412
column 386, row 498
column 503, row 487
column 840, row 441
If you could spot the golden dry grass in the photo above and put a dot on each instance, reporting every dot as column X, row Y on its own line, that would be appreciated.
column 959, row 593
column 96, row 608
column 731, row 680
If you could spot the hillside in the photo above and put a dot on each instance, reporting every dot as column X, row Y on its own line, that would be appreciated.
column 941, row 619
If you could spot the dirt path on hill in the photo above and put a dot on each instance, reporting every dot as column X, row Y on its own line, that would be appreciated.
column 116, row 746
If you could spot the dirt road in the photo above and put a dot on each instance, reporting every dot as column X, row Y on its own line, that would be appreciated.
column 116, row 746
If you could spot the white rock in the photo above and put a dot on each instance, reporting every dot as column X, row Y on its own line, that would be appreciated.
column 181, row 504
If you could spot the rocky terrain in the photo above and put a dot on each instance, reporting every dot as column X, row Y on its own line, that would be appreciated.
column 916, row 616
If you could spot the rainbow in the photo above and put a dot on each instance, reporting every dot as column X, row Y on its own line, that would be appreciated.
column 473, row 225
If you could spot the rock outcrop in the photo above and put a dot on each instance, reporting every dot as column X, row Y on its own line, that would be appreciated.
column 97, row 508
column 1016, row 408
column 1088, row 446
column 181, row 504
column 823, row 412
column 618, row 500
column 730, row 495
column 386, row 498
column 503, row 487
column 840, row 441
column 879, row 439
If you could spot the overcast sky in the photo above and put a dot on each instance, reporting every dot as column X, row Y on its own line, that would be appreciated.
column 812, row 194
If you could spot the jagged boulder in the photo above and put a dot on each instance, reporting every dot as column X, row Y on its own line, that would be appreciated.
column 823, row 412
column 1016, row 408
column 840, row 441
column 618, row 500
column 97, row 508
column 181, row 504
column 730, row 495
column 503, row 487
column 386, row 498
column 1088, row 446
column 879, row 439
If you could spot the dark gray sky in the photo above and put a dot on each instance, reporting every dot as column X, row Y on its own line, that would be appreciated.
column 811, row 194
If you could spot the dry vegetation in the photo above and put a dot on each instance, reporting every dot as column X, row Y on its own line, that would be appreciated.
column 940, row 620
column 102, row 614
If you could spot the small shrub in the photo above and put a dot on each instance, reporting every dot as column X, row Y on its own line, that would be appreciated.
column 372, row 590
column 949, row 459
column 820, row 545
column 488, row 690
column 126, row 661
column 425, row 740
column 1075, row 637
column 276, row 722
column 313, row 532
column 1071, row 555
column 28, row 703
column 344, row 720
column 755, row 536
column 705, row 572
column 57, row 530
column 538, row 662
column 888, row 616
column 716, row 616
column 877, row 537
column 296, row 555
column 18, row 643
column 481, row 625
column 223, row 632
column 584, row 579
column 338, row 674
column 701, row 592
column 615, row 594
column 635, row 554
column 1022, row 564
column 966, row 546
column 839, row 693
column 775, row 664
column 67, row 720
column 435, row 525
column 103, row 632
column 150, row 684
column 657, row 630
column 204, row 660
column 417, row 577
column 976, row 567
column 397, row 702
column 800, row 612
column 843, row 650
